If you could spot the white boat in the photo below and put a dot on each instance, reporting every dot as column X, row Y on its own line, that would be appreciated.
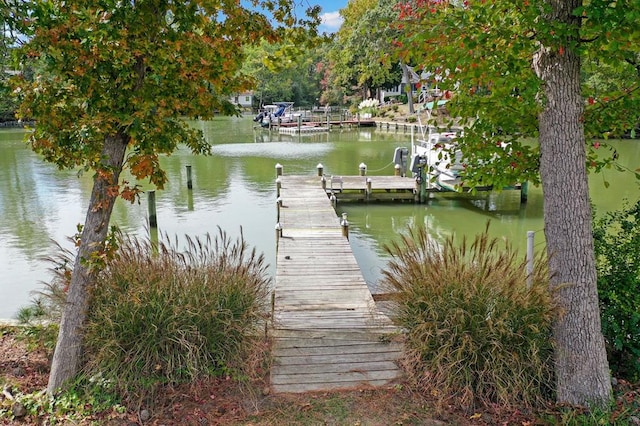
column 435, row 157
column 280, row 112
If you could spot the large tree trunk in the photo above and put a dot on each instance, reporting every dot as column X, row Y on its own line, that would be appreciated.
column 67, row 357
column 581, row 363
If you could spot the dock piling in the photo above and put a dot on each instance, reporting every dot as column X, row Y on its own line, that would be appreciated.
column 344, row 223
column 320, row 168
column 189, row 181
column 153, row 218
column 278, row 169
column 524, row 192
column 363, row 169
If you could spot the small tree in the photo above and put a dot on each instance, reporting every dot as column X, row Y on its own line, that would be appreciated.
column 114, row 79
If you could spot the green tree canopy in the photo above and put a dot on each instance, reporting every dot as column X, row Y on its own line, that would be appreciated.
column 285, row 76
column 362, row 57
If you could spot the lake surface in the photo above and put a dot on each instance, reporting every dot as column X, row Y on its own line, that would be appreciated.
column 234, row 189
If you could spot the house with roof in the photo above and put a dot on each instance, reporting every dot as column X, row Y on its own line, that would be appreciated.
column 244, row 100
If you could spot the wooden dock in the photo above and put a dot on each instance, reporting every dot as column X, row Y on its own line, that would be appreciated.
column 396, row 188
column 327, row 331
column 373, row 188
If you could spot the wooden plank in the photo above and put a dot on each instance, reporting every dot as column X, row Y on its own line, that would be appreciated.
column 344, row 362
column 345, row 335
column 340, row 348
column 351, row 376
column 331, row 344
column 333, row 367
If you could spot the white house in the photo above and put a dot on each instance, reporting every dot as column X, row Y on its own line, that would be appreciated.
column 245, row 99
column 424, row 86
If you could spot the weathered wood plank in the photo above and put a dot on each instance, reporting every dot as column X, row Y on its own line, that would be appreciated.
column 315, row 387
column 362, row 375
column 332, row 363
column 340, row 348
column 334, row 367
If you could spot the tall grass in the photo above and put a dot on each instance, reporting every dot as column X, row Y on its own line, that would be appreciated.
column 159, row 314
column 476, row 332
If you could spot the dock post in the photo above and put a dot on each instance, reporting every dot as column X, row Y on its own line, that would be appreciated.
column 278, row 232
column 345, row 226
column 396, row 170
column 320, row 168
column 153, row 218
column 420, row 192
column 363, row 169
column 524, row 192
column 333, row 199
column 278, row 169
column 189, row 181
column 279, row 205
column 299, row 124
column 368, row 194
column 278, row 186
column 323, row 180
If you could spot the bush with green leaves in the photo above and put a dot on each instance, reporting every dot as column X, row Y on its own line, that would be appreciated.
column 477, row 330
column 617, row 247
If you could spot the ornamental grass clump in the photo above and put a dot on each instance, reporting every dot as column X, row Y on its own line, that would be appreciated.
column 369, row 106
column 477, row 332
column 161, row 315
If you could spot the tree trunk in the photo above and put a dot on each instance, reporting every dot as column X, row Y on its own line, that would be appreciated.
column 581, row 366
column 408, row 88
column 67, row 356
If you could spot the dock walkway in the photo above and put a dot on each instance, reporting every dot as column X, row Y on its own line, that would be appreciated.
column 328, row 333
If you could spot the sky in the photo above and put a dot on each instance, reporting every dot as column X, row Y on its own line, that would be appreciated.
column 331, row 19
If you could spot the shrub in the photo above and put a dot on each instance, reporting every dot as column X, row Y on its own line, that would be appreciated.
column 369, row 106
column 160, row 315
column 617, row 244
column 475, row 330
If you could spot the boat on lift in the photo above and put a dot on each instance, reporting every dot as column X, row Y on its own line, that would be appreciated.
column 280, row 112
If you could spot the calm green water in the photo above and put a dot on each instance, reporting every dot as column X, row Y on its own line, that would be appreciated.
column 234, row 189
